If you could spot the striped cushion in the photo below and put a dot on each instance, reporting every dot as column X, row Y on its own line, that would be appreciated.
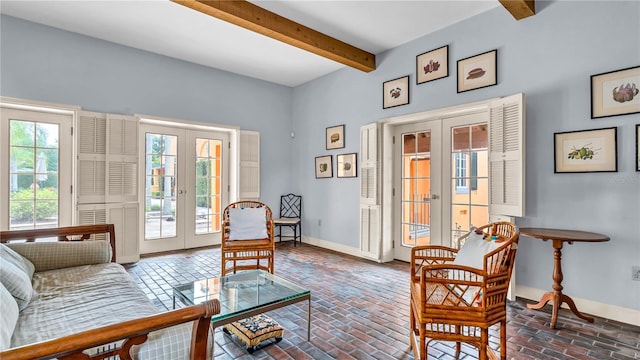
column 8, row 319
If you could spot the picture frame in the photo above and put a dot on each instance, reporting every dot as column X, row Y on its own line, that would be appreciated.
column 478, row 71
column 395, row 92
column 324, row 167
column 586, row 151
column 638, row 147
column 335, row 137
column 347, row 165
column 615, row 93
column 432, row 65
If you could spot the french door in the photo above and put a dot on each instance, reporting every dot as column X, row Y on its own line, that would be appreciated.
column 185, row 184
column 417, row 186
column 441, row 181
column 35, row 169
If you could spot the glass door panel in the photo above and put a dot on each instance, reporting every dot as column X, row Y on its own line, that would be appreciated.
column 160, row 190
column 416, row 190
column 469, row 178
column 33, row 175
column 208, row 191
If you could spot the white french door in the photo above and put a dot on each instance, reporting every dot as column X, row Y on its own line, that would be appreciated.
column 185, row 183
column 441, row 181
column 417, row 186
column 35, row 169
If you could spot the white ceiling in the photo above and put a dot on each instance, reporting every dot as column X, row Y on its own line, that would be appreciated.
column 166, row 28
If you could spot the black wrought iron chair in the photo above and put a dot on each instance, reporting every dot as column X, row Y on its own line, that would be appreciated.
column 290, row 217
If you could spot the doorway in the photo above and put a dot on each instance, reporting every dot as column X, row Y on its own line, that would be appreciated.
column 441, row 183
column 185, row 186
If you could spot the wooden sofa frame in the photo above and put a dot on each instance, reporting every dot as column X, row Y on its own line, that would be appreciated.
column 133, row 332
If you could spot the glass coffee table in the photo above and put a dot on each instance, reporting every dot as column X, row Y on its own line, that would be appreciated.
column 243, row 294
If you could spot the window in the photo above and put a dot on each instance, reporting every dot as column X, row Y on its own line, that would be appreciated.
column 35, row 169
column 461, row 173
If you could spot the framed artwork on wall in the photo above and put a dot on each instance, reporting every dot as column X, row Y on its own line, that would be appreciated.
column 585, row 151
column 324, row 167
column 347, row 165
column 615, row 93
column 432, row 65
column 395, row 92
column 638, row 147
column 335, row 137
column 478, row 71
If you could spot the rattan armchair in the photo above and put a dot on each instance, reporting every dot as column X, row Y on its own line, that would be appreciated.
column 248, row 254
column 459, row 303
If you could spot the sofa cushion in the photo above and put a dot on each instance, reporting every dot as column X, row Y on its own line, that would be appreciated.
column 17, row 282
column 7, row 254
column 55, row 255
column 75, row 299
column 9, row 317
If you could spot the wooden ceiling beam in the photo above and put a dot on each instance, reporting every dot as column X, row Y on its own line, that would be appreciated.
column 520, row 9
column 255, row 18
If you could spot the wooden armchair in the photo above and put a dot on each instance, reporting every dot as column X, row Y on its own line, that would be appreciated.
column 247, row 253
column 455, row 302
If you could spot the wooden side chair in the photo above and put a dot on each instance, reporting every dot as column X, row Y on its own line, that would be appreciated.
column 247, row 237
column 456, row 295
column 290, row 216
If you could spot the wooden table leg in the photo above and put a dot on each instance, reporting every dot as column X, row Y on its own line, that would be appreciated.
column 557, row 297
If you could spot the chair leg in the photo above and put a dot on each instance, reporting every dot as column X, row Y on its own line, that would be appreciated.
column 503, row 340
column 484, row 342
column 458, row 350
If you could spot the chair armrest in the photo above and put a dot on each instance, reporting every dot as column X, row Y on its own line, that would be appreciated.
column 429, row 255
column 133, row 332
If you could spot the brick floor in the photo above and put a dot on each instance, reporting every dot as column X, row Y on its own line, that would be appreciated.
column 360, row 311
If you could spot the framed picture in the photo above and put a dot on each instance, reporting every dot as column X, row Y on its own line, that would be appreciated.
column 324, row 167
column 395, row 92
column 638, row 147
column 432, row 65
column 478, row 71
column 615, row 93
column 347, row 165
column 335, row 137
column 586, row 151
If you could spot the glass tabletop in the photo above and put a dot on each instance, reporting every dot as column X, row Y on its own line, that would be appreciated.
column 240, row 292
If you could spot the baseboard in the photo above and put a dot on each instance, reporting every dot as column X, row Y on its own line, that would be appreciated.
column 617, row 313
column 329, row 245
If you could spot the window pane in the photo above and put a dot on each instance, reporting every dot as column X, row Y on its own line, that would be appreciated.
column 22, row 133
column 424, row 142
column 480, row 196
column 461, row 138
column 460, row 216
column 479, row 137
column 47, row 135
column 408, row 143
column 21, row 214
column 479, row 215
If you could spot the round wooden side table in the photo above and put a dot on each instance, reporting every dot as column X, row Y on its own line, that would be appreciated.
column 559, row 237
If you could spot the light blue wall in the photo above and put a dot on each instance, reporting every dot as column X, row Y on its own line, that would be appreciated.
column 549, row 57
column 47, row 64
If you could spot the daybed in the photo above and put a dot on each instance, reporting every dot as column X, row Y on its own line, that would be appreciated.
column 60, row 298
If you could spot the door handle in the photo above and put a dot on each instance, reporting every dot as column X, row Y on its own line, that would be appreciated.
column 182, row 192
column 434, row 197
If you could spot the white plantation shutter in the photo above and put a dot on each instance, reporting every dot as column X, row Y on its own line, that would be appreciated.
column 92, row 149
column 122, row 158
column 107, row 191
column 507, row 156
column 249, row 176
column 370, row 237
column 369, row 164
column 124, row 217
